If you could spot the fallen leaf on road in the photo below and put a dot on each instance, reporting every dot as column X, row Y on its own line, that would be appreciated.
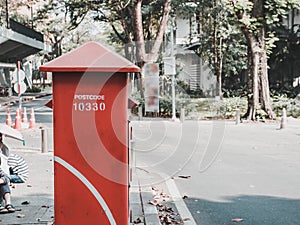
column 154, row 202
column 138, row 220
column 21, row 215
column 237, row 220
column 185, row 177
column 154, row 188
column 25, row 203
column 185, row 196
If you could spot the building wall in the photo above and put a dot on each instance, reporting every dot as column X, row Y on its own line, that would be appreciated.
column 191, row 68
column 193, row 71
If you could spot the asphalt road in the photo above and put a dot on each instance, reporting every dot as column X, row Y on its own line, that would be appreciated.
column 228, row 174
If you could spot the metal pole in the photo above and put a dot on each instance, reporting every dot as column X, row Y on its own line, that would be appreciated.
column 44, row 140
column 173, row 76
column 173, row 99
column 19, row 85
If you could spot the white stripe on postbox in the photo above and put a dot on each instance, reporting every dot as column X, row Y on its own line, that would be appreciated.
column 89, row 186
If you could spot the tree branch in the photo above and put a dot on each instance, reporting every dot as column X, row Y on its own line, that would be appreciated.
column 138, row 20
column 161, row 30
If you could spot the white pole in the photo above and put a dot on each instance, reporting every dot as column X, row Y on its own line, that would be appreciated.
column 173, row 75
column 19, row 85
column 173, row 99
column 283, row 119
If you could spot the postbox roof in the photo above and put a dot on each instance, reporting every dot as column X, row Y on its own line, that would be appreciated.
column 93, row 57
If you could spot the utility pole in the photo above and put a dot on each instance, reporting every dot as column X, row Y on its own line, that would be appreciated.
column 173, row 74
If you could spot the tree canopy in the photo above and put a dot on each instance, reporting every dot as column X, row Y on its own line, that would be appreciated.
column 235, row 35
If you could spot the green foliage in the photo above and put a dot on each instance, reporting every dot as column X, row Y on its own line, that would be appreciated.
column 237, row 90
column 292, row 105
column 19, row 10
column 220, row 30
column 227, row 107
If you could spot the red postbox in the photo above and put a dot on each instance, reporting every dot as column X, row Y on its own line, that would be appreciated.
column 90, row 136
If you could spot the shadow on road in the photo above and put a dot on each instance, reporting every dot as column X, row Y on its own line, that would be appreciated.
column 254, row 210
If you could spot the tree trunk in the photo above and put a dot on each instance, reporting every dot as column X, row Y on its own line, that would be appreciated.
column 152, row 56
column 265, row 89
column 259, row 93
column 217, row 61
column 253, row 96
column 139, row 35
column 141, row 55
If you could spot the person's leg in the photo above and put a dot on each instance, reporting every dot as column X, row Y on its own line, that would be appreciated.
column 2, row 206
column 6, row 194
column 7, row 198
column 2, row 189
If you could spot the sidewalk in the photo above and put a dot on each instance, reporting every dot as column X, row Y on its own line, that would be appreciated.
column 35, row 198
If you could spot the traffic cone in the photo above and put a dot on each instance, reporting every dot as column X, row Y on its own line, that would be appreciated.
column 24, row 116
column 8, row 118
column 32, row 119
column 18, row 120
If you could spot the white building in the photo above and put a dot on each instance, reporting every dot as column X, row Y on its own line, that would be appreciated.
column 191, row 67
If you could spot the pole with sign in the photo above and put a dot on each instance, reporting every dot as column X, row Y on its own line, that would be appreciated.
column 19, row 86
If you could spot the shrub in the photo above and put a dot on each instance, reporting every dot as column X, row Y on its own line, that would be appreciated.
column 291, row 105
column 227, row 107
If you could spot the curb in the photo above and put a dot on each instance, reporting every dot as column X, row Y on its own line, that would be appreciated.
column 150, row 211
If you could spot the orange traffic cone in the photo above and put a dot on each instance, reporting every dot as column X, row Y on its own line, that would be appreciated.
column 8, row 118
column 32, row 119
column 24, row 116
column 18, row 120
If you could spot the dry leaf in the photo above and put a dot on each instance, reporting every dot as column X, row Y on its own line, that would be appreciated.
column 154, row 188
column 185, row 177
column 185, row 196
column 237, row 220
column 138, row 220
column 154, row 202
column 25, row 203
column 21, row 215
